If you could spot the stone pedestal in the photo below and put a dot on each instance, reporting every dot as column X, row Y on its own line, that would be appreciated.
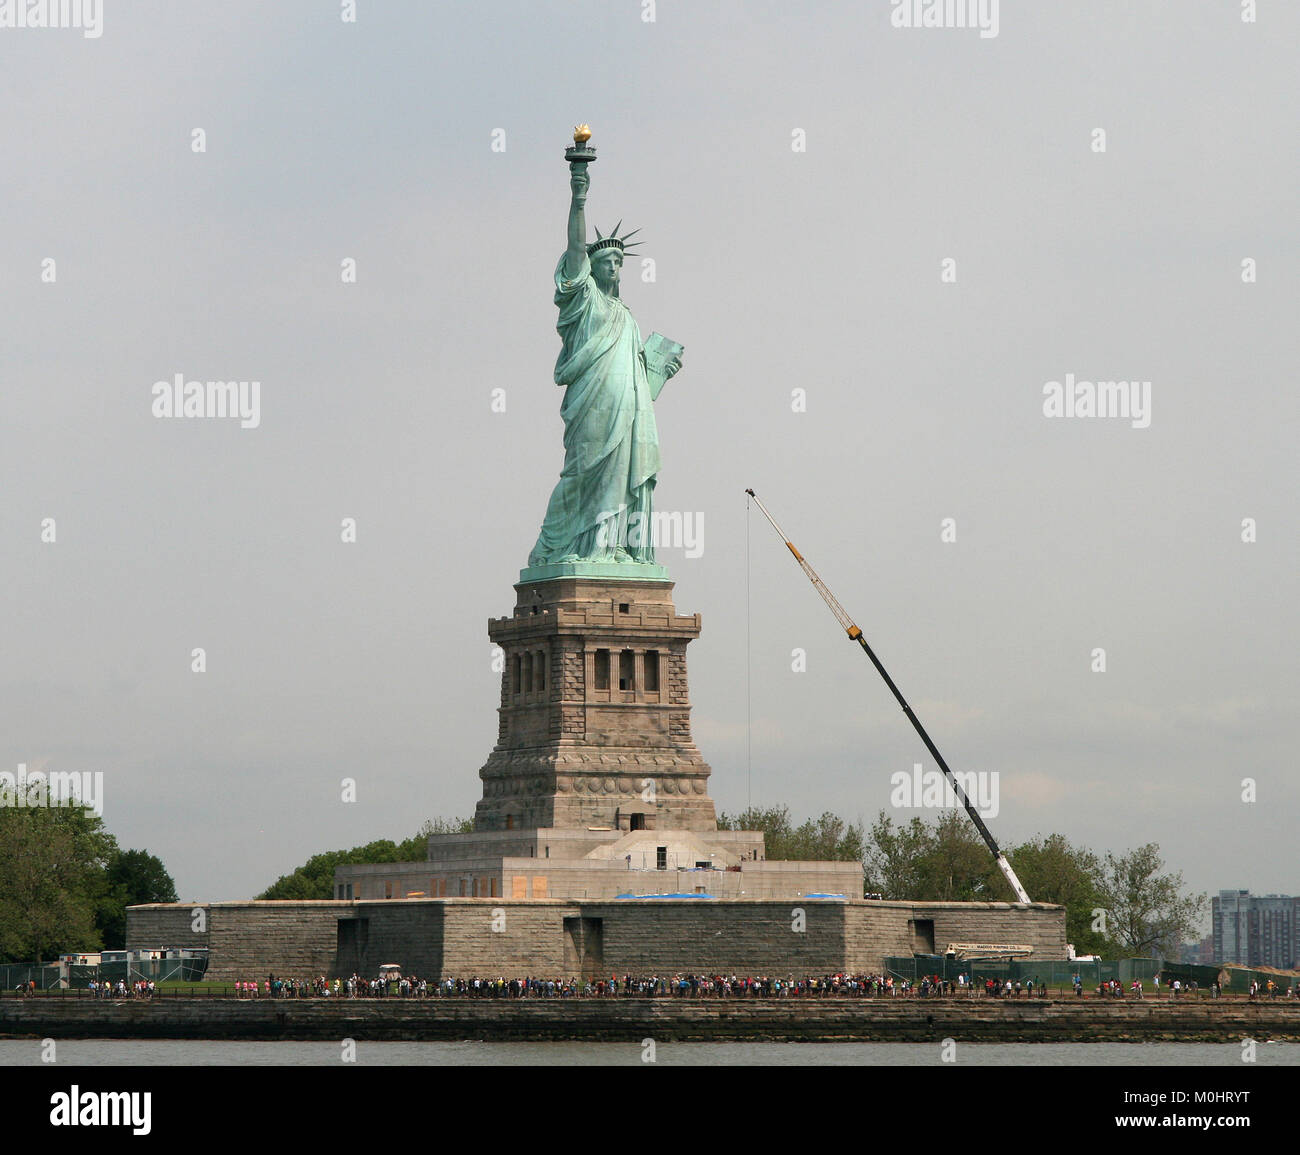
column 594, row 727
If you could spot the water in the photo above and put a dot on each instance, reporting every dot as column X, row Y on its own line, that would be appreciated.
column 112, row 1052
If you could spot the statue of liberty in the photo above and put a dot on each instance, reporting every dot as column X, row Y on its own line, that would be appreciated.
column 600, row 510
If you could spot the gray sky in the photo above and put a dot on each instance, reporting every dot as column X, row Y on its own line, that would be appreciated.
column 777, row 269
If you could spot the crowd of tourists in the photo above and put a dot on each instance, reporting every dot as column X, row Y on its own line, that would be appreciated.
column 107, row 989
column 353, row 987
column 1013, row 988
column 1273, row 990
column 281, row 988
column 1115, row 989
column 1112, row 988
column 683, row 986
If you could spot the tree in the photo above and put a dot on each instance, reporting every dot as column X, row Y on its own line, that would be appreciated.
column 892, row 857
column 1054, row 871
column 134, row 877
column 1145, row 910
column 315, row 878
column 774, row 822
column 825, row 839
column 946, row 862
column 53, row 881
column 958, row 866
column 443, row 826
column 828, row 839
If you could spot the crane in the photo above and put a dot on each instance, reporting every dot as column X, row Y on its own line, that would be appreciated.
column 855, row 634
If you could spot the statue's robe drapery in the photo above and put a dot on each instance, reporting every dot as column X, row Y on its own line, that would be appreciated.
column 602, row 502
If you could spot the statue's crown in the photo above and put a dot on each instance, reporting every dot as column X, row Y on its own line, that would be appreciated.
column 613, row 241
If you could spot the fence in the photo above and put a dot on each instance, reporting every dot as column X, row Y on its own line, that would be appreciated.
column 1204, row 977
column 1044, row 974
column 12, row 975
column 1061, row 973
column 50, row 976
column 915, row 967
column 1052, row 975
column 1238, row 979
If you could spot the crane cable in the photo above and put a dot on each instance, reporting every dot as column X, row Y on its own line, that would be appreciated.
column 749, row 679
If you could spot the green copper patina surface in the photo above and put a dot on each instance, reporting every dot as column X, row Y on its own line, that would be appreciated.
column 598, row 522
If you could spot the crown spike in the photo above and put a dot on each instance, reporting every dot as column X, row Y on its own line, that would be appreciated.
column 612, row 240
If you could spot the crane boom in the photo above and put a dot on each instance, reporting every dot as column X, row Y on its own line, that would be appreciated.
column 855, row 634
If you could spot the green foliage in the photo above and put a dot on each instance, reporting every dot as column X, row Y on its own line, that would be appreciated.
column 1146, row 910
column 443, row 826
column 946, row 862
column 315, row 878
column 774, row 823
column 958, row 866
column 134, row 877
column 893, row 855
column 1054, row 871
column 54, row 888
column 825, row 839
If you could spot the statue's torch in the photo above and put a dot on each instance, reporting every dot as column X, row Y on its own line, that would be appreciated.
column 580, row 152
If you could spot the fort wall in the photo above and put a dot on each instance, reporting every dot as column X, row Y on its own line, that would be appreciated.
column 434, row 938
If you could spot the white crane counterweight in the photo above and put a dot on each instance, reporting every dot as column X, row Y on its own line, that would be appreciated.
column 847, row 624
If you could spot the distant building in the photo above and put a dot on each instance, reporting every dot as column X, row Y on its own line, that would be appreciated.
column 1205, row 951
column 1200, row 953
column 1256, row 930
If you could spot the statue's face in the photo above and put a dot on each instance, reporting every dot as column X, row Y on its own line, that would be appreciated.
column 605, row 268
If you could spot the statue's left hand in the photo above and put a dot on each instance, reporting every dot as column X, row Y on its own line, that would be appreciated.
column 673, row 367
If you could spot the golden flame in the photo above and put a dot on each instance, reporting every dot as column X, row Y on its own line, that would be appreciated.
column 581, row 133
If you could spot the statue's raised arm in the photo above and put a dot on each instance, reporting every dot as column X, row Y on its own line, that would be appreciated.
column 577, row 250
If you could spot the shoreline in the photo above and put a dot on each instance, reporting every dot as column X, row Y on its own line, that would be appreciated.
column 1057, row 1020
